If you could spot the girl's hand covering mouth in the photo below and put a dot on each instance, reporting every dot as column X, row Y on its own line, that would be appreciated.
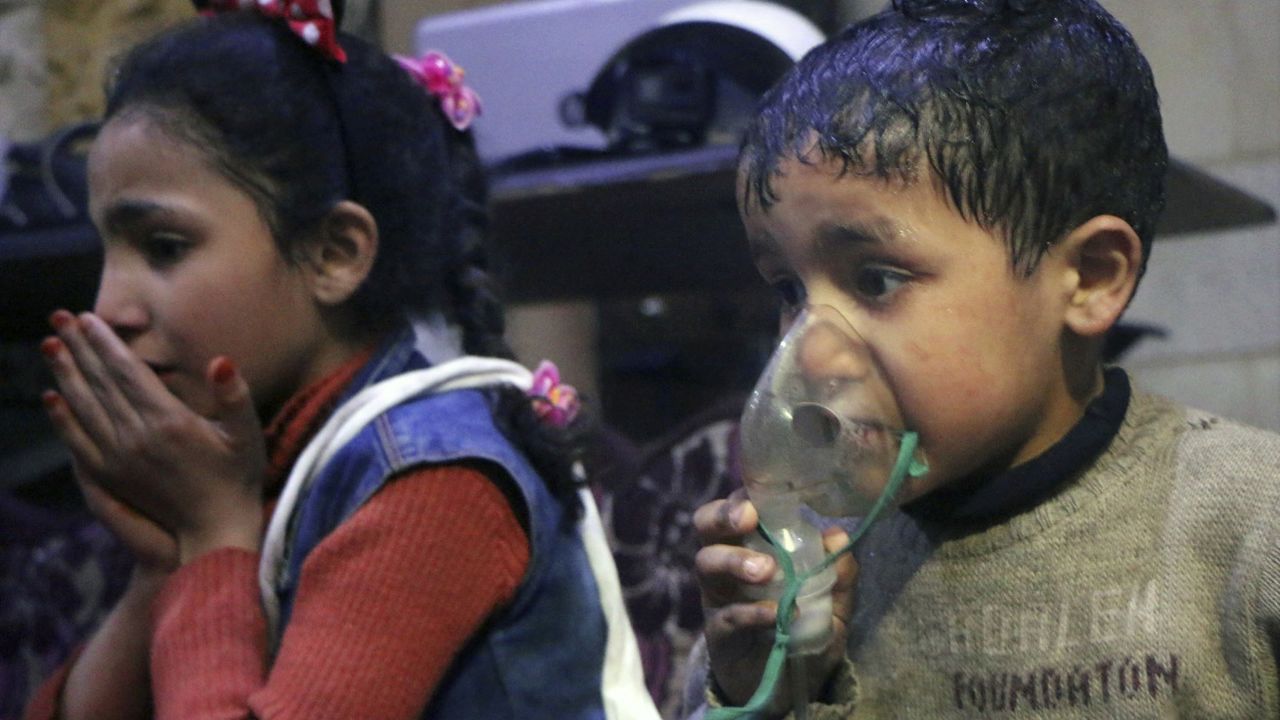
column 149, row 458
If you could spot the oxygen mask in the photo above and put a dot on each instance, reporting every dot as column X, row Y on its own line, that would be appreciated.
column 822, row 428
column 822, row 439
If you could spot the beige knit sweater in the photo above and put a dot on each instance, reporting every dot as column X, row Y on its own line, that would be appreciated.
column 1148, row 588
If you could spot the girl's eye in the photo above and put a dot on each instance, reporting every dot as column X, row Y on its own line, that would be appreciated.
column 162, row 250
column 878, row 283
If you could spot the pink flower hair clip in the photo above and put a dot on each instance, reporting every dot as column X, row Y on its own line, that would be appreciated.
column 553, row 401
column 443, row 79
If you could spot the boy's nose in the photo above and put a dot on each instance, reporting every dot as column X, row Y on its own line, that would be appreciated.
column 831, row 351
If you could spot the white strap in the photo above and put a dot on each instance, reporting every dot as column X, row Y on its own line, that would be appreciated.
column 345, row 423
column 622, row 688
column 622, row 678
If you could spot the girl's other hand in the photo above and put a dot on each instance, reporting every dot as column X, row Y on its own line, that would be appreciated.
column 154, row 548
column 199, row 478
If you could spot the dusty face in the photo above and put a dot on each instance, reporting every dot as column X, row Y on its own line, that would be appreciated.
column 968, row 354
column 191, row 271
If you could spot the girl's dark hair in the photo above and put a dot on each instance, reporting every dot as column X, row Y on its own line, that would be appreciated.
column 1035, row 115
column 299, row 133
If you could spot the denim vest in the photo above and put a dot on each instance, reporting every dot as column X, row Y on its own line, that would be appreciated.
column 539, row 657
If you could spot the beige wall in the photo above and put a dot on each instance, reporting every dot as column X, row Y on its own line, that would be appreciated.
column 1215, row 64
column 24, row 78
column 82, row 38
column 563, row 332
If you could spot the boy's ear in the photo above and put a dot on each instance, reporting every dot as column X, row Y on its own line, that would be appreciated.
column 1104, row 256
column 342, row 253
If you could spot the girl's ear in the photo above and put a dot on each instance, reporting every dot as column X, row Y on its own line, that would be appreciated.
column 1104, row 256
column 342, row 253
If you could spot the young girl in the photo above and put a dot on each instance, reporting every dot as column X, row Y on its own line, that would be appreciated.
column 289, row 222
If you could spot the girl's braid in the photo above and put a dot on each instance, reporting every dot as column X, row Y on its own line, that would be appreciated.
column 478, row 311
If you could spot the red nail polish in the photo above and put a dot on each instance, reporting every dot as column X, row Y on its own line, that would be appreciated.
column 224, row 371
column 50, row 399
column 59, row 319
column 51, row 346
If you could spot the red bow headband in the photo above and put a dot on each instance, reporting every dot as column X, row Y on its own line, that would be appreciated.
column 311, row 20
column 317, row 24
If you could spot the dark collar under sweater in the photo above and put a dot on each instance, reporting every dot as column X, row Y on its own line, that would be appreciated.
column 983, row 503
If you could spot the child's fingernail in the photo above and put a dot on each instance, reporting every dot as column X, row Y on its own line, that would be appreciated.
column 754, row 568
column 735, row 515
column 50, row 399
column 59, row 319
column 224, row 371
column 51, row 346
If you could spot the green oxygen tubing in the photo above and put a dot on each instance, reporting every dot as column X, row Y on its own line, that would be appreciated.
column 906, row 465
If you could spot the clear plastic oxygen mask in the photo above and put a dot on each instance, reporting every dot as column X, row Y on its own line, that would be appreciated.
column 822, row 439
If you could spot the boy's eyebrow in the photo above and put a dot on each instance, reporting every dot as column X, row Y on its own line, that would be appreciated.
column 876, row 231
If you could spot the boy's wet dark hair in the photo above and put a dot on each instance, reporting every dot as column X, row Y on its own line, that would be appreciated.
column 299, row 134
column 1035, row 115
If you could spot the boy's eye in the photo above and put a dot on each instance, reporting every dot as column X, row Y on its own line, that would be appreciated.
column 878, row 283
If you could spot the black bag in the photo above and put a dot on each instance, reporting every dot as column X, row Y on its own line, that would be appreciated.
column 50, row 254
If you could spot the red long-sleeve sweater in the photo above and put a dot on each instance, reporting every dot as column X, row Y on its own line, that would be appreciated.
column 383, row 604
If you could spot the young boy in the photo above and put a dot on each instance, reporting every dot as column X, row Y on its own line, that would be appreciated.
column 973, row 185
